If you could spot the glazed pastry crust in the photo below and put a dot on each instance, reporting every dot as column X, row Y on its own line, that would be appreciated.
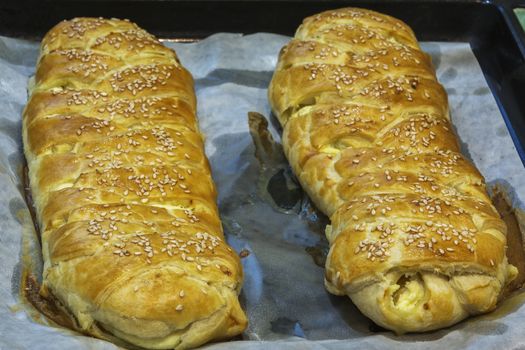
column 414, row 239
column 131, row 237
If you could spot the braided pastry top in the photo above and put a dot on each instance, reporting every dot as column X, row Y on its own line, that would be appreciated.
column 132, row 241
column 414, row 239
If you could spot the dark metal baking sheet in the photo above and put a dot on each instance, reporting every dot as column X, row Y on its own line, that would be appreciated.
column 490, row 27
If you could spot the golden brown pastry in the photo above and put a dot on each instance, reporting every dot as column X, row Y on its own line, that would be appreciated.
column 414, row 239
column 131, row 237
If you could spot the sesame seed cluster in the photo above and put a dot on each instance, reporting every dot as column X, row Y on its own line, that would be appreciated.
column 120, row 181
column 367, row 130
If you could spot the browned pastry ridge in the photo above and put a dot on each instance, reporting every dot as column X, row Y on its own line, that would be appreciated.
column 414, row 239
column 131, row 237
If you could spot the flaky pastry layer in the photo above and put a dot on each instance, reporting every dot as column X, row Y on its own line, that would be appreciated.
column 414, row 239
column 131, row 237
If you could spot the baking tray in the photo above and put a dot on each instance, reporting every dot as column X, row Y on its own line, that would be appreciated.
column 491, row 28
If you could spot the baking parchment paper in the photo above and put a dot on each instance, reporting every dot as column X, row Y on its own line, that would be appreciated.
column 262, row 207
